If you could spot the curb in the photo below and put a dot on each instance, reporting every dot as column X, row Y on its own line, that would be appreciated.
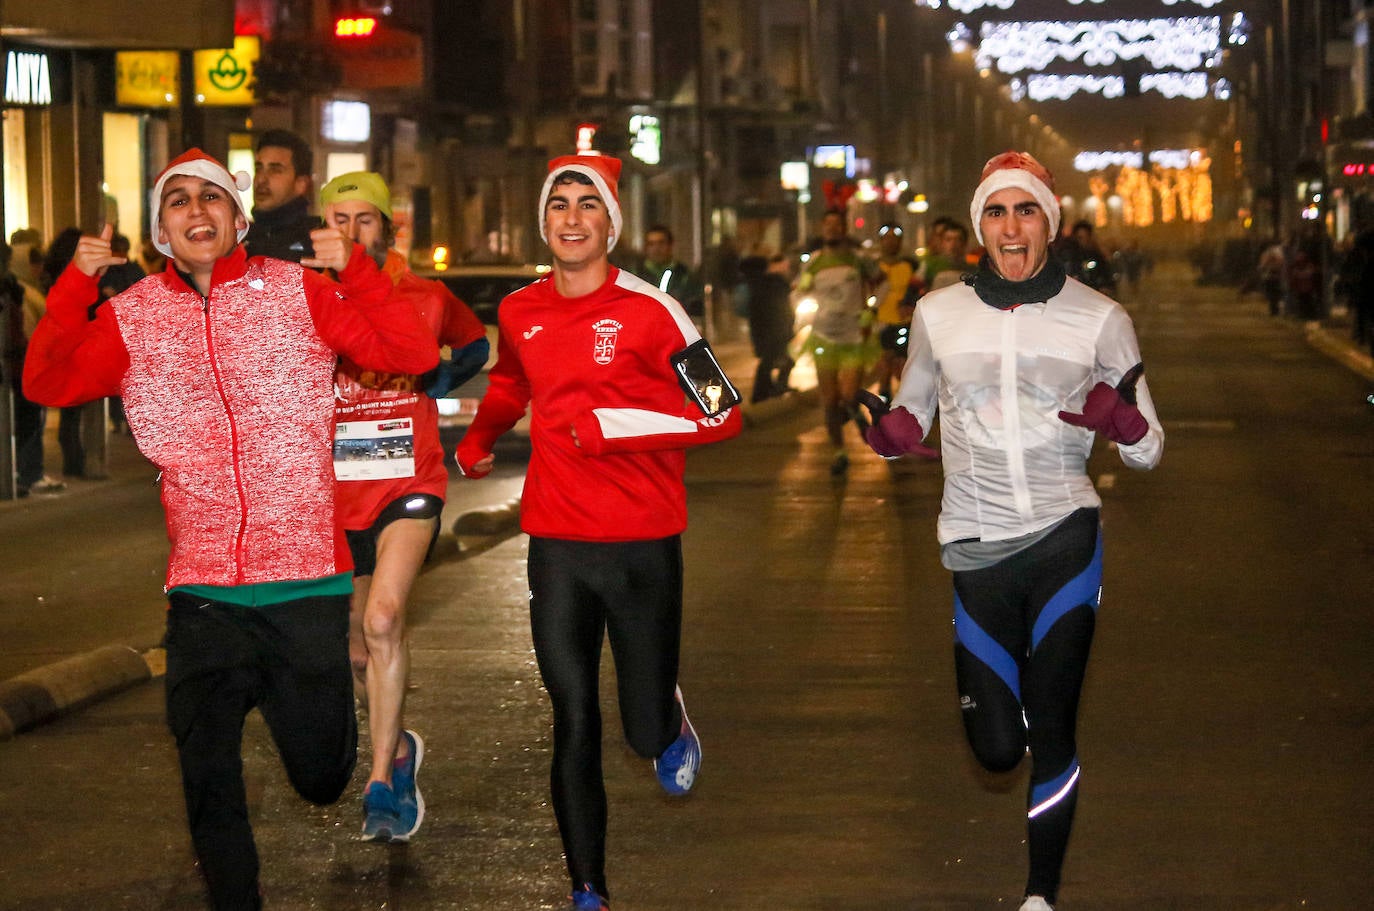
column 55, row 689
column 1330, row 344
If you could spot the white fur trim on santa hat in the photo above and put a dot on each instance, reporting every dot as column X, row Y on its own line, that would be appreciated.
column 1005, row 179
column 207, row 169
column 599, row 181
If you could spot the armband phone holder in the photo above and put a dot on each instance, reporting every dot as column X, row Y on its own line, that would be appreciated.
column 700, row 376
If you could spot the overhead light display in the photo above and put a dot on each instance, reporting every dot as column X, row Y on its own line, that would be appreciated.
column 972, row 6
column 1180, row 43
column 1176, row 187
column 1061, row 87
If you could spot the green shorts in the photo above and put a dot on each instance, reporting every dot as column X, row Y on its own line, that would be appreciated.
column 830, row 355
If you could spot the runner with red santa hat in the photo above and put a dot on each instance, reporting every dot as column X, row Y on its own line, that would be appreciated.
column 619, row 383
column 226, row 366
column 1025, row 367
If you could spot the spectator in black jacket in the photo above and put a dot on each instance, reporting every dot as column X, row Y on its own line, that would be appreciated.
column 764, row 293
column 282, row 222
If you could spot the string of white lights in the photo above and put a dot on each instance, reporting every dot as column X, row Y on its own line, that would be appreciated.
column 972, row 6
column 1061, row 86
column 1172, row 159
column 1180, row 43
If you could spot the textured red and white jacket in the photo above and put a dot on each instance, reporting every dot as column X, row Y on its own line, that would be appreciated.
column 609, row 421
column 386, row 429
column 232, row 397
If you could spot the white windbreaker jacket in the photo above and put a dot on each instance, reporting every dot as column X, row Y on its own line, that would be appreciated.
column 999, row 379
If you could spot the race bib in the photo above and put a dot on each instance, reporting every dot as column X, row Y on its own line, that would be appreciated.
column 372, row 450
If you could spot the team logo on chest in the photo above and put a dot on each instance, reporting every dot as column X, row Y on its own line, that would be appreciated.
column 603, row 346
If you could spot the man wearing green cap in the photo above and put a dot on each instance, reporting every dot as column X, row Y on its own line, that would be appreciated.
column 389, row 468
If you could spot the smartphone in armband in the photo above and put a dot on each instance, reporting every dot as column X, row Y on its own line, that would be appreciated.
column 700, row 376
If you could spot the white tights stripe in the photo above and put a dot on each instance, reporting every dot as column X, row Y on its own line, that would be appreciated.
column 1055, row 797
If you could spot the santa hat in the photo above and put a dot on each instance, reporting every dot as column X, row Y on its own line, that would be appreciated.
column 1022, row 171
column 195, row 163
column 604, row 173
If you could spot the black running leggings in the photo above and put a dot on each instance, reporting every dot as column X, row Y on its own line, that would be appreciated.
column 633, row 592
column 1023, row 630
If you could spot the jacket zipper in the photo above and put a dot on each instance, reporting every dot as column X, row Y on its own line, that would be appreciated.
column 233, row 445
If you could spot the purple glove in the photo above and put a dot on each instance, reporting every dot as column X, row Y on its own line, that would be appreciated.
column 894, row 433
column 1112, row 411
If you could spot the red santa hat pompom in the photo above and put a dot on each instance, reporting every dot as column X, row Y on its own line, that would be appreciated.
column 604, row 173
column 195, row 163
column 1020, row 170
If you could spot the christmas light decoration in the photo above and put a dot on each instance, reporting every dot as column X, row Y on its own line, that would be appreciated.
column 1181, row 43
column 1177, row 186
column 1172, row 159
column 1175, row 85
column 970, row 6
column 1061, row 87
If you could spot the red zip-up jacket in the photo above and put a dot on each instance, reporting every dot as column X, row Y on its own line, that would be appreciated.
column 232, row 398
column 609, row 421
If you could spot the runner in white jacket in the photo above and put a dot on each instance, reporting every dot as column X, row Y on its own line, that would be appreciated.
column 1024, row 367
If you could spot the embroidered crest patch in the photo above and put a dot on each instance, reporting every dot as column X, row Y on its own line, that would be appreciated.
column 603, row 347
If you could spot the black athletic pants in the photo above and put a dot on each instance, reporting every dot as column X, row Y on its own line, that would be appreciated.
column 288, row 660
column 1023, row 630
column 633, row 592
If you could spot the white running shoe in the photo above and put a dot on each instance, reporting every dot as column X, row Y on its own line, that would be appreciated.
column 1036, row 903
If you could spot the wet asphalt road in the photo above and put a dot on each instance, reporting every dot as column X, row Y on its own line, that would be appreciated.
column 1226, row 724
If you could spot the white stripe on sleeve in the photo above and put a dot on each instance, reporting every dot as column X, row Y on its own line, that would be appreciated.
column 621, row 423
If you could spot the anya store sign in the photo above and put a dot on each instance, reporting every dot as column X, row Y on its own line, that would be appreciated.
column 35, row 78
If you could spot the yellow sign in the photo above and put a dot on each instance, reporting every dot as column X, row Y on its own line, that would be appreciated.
column 147, row 79
column 224, row 76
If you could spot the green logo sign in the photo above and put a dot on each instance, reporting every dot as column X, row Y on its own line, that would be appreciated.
column 227, row 75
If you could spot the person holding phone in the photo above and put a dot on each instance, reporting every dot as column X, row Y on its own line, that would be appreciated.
column 620, row 383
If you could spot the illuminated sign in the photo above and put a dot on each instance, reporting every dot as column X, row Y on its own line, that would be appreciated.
column 646, row 138
column 147, row 79
column 28, row 78
column 359, row 27
column 346, row 121
column 795, row 175
column 373, row 55
column 224, row 76
column 834, row 157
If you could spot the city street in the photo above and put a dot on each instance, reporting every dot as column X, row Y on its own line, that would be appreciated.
column 1226, row 724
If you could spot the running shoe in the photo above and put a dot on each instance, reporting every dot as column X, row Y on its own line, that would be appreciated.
column 677, row 767
column 46, row 484
column 408, row 797
column 1036, row 903
column 381, row 814
column 588, row 899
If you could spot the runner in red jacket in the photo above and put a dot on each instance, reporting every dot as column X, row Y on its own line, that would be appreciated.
column 392, row 481
column 226, row 366
column 606, row 362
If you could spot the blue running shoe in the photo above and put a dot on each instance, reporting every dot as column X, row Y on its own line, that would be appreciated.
column 381, row 815
column 588, row 899
column 677, row 767
column 408, row 797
